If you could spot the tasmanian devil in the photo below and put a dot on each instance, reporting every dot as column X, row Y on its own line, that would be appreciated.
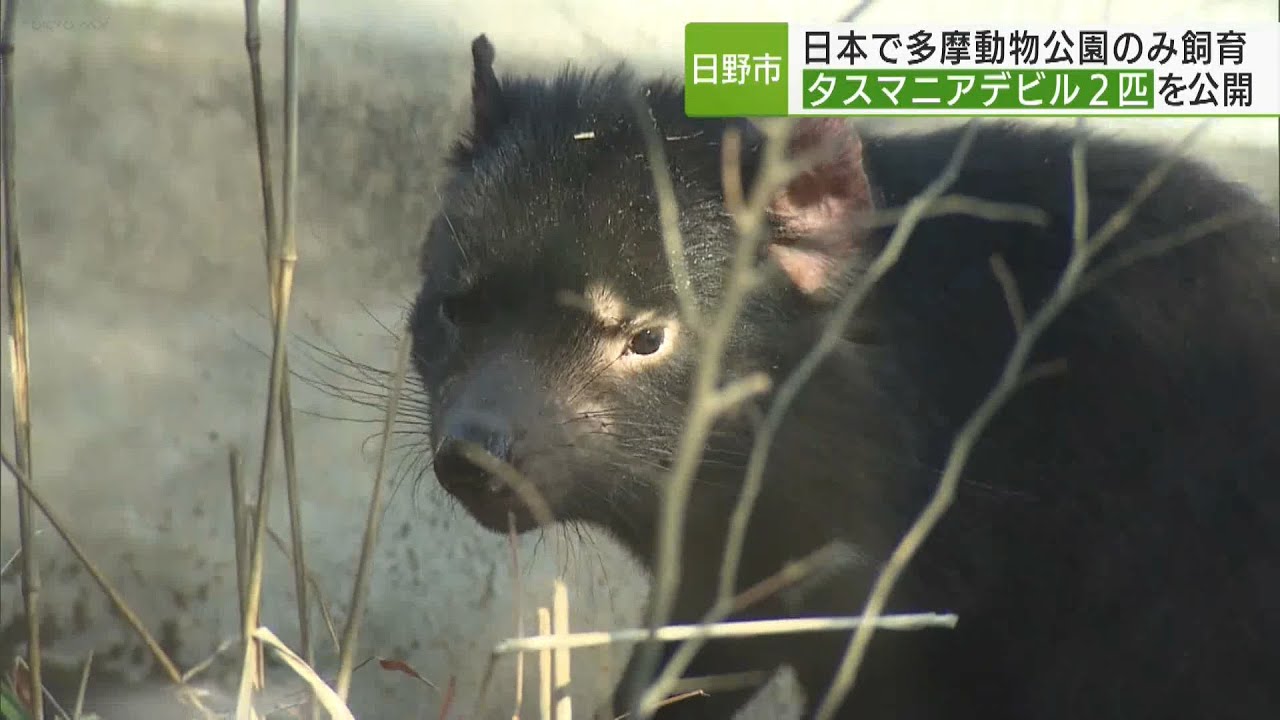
column 1113, row 547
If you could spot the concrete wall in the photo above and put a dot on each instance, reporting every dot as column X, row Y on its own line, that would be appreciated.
column 140, row 218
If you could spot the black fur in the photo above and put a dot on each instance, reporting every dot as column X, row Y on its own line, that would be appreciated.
column 1114, row 549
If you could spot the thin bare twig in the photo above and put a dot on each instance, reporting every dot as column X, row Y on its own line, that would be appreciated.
column 450, row 692
column 790, row 574
column 253, row 47
column 705, row 398
column 356, row 614
column 1009, row 381
column 678, row 697
column 1009, row 286
column 1079, row 187
column 967, row 205
column 485, row 679
column 4, row 567
column 325, row 615
column 78, row 709
column 519, row 611
column 669, row 216
column 206, row 663
column 787, row 392
column 1160, row 245
column 239, row 529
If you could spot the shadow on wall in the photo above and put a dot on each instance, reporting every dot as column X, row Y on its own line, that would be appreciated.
column 140, row 216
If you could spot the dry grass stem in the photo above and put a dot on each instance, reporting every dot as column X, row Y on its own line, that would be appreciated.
column 253, row 47
column 332, row 702
column 78, row 710
column 19, row 353
column 60, row 526
column 285, row 256
column 736, row 629
column 560, row 655
column 360, row 590
column 544, row 666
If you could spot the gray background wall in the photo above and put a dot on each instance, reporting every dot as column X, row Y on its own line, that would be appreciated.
column 140, row 218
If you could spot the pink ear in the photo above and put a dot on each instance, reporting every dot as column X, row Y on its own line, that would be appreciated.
column 818, row 212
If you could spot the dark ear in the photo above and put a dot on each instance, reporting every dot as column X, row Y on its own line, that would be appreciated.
column 819, row 214
column 487, row 108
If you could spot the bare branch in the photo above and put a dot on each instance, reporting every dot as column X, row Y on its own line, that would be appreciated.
column 1079, row 189
column 1009, row 286
column 968, row 206
column 789, row 390
column 701, row 414
column 966, row 439
column 537, row 505
column 668, row 212
column 1158, row 246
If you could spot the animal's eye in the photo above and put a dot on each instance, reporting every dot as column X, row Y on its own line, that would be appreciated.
column 647, row 341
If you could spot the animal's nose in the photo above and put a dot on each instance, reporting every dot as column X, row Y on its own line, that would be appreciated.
column 455, row 466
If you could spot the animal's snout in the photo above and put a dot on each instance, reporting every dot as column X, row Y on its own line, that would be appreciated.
column 456, row 465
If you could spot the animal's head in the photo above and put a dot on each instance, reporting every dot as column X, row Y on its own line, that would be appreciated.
column 547, row 331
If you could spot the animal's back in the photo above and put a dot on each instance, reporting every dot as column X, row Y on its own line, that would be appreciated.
column 1115, row 544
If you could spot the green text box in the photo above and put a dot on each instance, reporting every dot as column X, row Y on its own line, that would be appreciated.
column 978, row 90
column 735, row 69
